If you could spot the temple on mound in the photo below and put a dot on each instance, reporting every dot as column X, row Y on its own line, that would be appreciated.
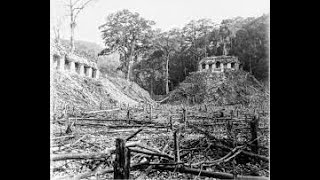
column 67, row 62
column 218, row 64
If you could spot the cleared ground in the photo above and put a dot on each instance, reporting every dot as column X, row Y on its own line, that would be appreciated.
column 205, row 142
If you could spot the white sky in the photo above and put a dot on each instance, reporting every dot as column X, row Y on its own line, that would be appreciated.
column 166, row 13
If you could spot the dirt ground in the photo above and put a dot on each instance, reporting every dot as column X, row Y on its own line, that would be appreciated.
column 90, row 136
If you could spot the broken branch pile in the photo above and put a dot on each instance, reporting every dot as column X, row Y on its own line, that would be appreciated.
column 188, row 145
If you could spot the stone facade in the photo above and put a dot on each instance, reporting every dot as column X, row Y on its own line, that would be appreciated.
column 74, row 64
column 218, row 64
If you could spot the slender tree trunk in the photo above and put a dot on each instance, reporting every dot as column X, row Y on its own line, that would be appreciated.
column 250, row 65
column 72, row 26
column 151, row 88
column 58, row 36
column 167, row 75
column 205, row 45
column 130, row 61
column 224, row 48
column 128, row 73
column 72, row 38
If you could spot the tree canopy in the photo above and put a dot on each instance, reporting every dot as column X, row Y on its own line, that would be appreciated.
column 128, row 34
column 163, row 59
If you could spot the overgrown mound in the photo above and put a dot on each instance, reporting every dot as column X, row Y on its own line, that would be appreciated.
column 83, row 94
column 131, row 89
column 228, row 88
column 191, row 90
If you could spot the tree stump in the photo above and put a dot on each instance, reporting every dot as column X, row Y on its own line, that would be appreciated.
column 254, row 133
column 231, row 114
column 229, row 130
column 184, row 115
column 121, row 164
column 176, row 146
column 128, row 116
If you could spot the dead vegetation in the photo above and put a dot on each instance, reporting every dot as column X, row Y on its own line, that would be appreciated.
column 228, row 88
column 94, row 135
column 161, row 142
column 86, row 94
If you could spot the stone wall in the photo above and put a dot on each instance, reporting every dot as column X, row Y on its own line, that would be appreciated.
column 219, row 64
column 76, row 65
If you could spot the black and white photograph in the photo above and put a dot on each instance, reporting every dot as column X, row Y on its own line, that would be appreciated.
column 159, row 89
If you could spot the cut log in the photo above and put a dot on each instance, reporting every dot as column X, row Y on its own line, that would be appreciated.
column 152, row 153
column 136, row 126
column 218, row 175
column 107, row 152
column 109, row 110
column 62, row 157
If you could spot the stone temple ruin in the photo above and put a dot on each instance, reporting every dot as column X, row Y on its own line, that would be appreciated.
column 72, row 63
column 218, row 64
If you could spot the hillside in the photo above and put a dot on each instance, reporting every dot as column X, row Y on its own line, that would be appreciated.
column 232, row 87
column 107, row 64
column 139, row 102
column 86, row 94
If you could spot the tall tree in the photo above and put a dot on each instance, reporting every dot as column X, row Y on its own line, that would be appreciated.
column 128, row 34
column 168, row 43
column 56, row 30
column 205, row 26
column 150, row 71
column 251, row 46
column 196, row 34
column 75, row 7
column 224, row 34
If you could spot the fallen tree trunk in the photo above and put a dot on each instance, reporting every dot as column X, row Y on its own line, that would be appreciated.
column 218, row 175
column 69, row 145
column 255, row 155
column 61, row 157
column 89, row 124
column 105, row 153
column 162, row 100
column 60, row 137
column 109, row 110
column 135, row 133
column 120, row 130
column 136, row 126
column 96, row 119
column 147, row 148
column 152, row 153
